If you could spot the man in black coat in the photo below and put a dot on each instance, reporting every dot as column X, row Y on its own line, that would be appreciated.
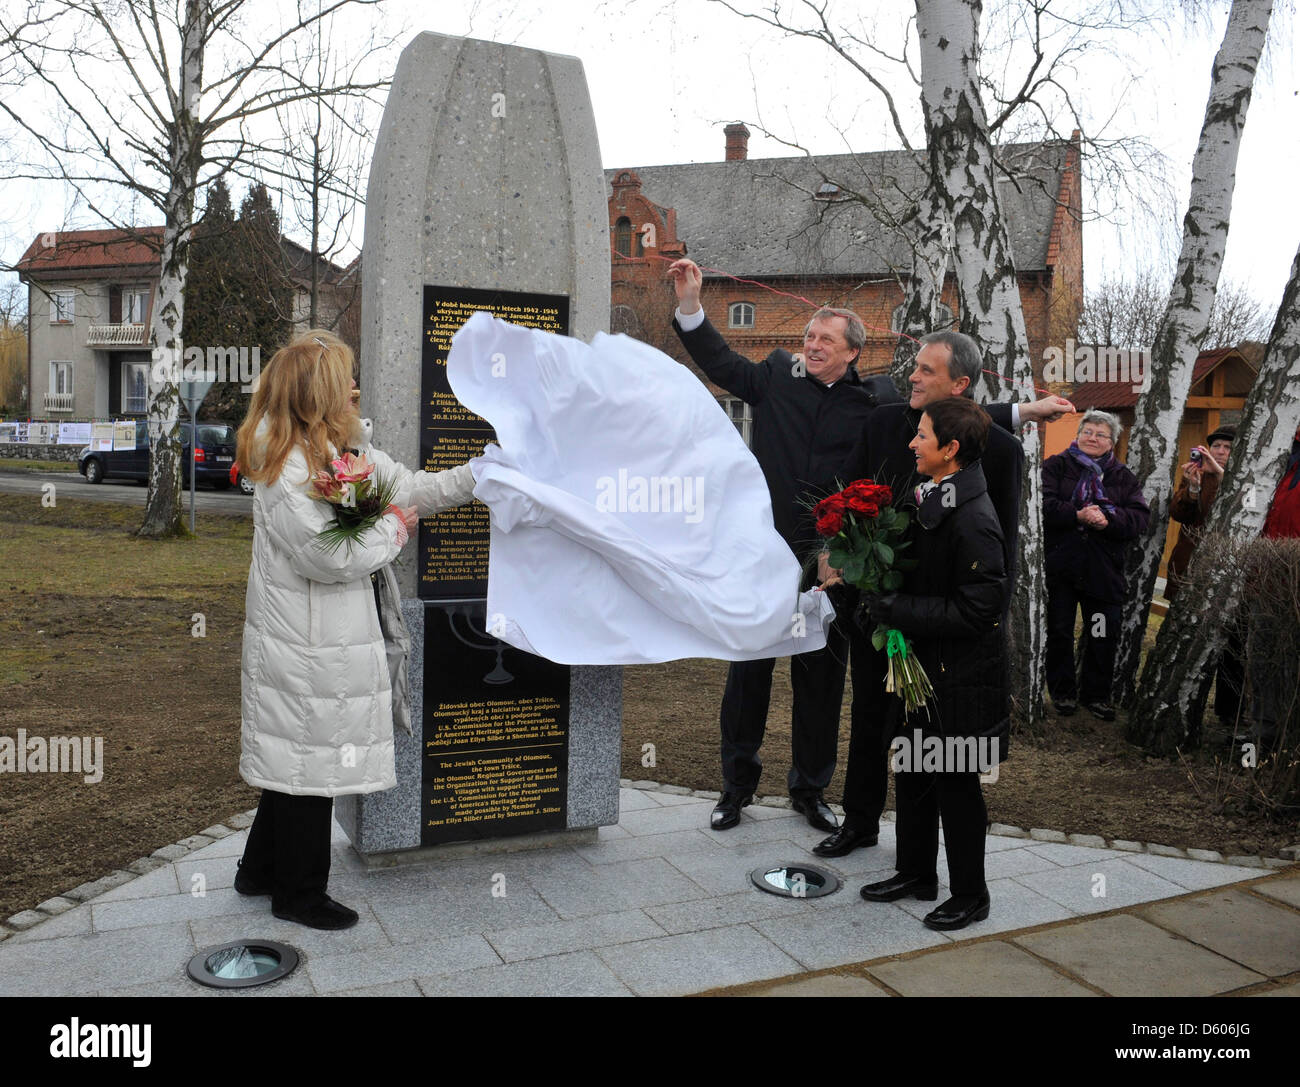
column 807, row 414
column 947, row 364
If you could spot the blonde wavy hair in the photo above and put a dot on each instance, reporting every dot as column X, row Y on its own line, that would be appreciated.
column 304, row 395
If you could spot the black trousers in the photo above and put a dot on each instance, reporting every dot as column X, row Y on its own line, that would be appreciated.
column 288, row 849
column 866, row 778
column 923, row 800
column 817, row 681
column 1101, row 623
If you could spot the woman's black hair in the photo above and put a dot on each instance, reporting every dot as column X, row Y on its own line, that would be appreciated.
column 955, row 417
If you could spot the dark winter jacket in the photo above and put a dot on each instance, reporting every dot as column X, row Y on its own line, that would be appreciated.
column 881, row 454
column 1090, row 559
column 1191, row 511
column 803, row 430
column 951, row 608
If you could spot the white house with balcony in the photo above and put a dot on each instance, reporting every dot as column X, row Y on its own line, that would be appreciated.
column 89, row 294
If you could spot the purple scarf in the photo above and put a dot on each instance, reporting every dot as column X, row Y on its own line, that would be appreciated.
column 1088, row 491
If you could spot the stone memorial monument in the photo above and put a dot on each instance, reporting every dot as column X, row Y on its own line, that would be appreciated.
column 485, row 192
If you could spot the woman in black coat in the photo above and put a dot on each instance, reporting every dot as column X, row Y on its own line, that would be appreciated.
column 1093, row 508
column 950, row 609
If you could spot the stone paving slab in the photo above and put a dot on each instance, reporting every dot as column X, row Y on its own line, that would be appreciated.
column 428, row 957
column 653, row 845
column 72, row 923
column 854, row 933
column 166, row 909
column 296, row 984
column 991, row 968
column 580, row 973
column 695, row 961
column 1284, row 890
column 622, row 886
column 1011, row 906
column 1282, row 990
column 538, row 941
column 365, row 934
column 824, row 985
column 1238, row 926
column 81, row 965
column 1124, row 955
column 156, row 884
column 1125, row 885
column 1189, row 874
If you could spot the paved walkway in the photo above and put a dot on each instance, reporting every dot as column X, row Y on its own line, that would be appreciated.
column 660, row 905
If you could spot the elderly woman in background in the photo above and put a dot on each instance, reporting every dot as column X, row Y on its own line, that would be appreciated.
column 1093, row 508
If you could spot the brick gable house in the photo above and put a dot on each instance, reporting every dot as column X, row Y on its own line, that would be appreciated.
column 775, row 221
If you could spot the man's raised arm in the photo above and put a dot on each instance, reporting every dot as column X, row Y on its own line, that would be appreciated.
column 705, row 345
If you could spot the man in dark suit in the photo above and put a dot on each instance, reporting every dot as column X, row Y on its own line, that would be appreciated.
column 807, row 413
column 947, row 364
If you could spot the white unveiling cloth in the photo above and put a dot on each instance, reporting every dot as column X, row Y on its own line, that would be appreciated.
column 629, row 522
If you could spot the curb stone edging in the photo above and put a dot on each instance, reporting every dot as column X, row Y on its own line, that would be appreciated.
column 88, row 891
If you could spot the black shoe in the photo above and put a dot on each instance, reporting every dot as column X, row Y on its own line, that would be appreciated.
column 844, row 841
column 1066, row 707
column 901, row 886
column 727, row 813
column 1103, row 711
column 246, row 886
column 814, row 809
column 327, row 915
column 958, row 912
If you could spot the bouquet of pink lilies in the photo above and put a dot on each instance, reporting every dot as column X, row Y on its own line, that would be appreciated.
column 359, row 497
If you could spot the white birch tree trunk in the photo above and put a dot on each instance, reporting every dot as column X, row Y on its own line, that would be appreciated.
column 922, row 294
column 1153, row 448
column 964, row 176
column 162, row 515
column 1192, row 635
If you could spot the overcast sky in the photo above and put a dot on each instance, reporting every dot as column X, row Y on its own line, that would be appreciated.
column 666, row 75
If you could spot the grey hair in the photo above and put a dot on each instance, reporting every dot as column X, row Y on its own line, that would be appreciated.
column 1096, row 415
column 965, row 359
column 855, row 332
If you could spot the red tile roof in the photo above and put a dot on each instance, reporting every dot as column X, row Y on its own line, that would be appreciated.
column 88, row 253
column 1120, row 394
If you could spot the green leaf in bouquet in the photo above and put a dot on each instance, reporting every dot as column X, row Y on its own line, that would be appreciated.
column 892, row 581
column 878, row 637
column 853, row 570
column 838, row 558
column 902, row 519
column 884, row 552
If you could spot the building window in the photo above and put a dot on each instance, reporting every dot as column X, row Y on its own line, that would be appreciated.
column 135, row 301
column 623, row 237
column 61, row 378
column 740, row 315
column 135, row 387
column 943, row 318
column 740, row 413
column 61, row 307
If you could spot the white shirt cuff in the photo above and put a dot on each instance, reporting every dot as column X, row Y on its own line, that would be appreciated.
column 691, row 322
column 1015, row 415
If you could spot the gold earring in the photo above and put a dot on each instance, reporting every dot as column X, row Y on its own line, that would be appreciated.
column 947, row 456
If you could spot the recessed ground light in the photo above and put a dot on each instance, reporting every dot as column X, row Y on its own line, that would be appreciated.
column 242, row 964
column 795, row 880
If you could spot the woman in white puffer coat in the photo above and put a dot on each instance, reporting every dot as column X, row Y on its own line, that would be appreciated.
column 316, row 693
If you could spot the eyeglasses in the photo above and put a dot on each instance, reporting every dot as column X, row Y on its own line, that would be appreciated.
column 1104, row 435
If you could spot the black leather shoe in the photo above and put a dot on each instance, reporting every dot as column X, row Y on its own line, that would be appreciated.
column 900, row 886
column 814, row 809
column 727, row 813
column 326, row 915
column 246, row 886
column 1067, row 707
column 958, row 912
column 843, row 842
column 1103, row 711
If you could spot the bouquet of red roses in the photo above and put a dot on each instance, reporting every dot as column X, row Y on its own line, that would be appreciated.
column 359, row 497
column 864, row 534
